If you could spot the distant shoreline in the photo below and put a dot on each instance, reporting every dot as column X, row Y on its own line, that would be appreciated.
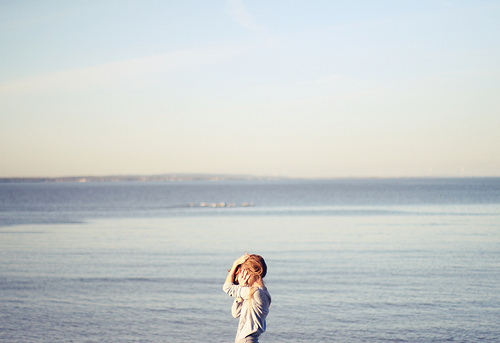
column 136, row 178
column 198, row 177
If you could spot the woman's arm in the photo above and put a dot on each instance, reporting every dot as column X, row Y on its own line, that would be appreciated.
column 236, row 308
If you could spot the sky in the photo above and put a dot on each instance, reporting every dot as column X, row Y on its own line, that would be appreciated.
column 310, row 89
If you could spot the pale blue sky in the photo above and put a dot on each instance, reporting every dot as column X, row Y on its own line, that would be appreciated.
column 279, row 88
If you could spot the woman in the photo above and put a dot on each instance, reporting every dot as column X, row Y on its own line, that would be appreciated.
column 244, row 282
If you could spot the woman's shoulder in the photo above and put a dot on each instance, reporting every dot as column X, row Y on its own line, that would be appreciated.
column 264, row 289
column 263, row 293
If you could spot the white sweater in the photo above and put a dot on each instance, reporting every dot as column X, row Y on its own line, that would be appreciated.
column 252, row 312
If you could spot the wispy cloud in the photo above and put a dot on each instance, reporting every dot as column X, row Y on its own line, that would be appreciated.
column 135, row 73
column 239, row 14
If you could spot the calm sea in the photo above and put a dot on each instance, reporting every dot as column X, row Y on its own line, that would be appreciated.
column 386, row 260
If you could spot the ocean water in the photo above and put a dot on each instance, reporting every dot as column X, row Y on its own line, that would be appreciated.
column 397, row 260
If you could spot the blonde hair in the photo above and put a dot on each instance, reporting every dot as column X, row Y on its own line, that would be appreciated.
column 257, row 268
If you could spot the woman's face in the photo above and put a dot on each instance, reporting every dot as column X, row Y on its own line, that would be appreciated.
column 242, row 277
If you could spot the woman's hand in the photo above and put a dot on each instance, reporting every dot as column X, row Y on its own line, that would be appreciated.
column 243, row 277
column 241, row 259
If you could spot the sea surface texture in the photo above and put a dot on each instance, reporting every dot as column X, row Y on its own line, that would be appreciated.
column 383, row 260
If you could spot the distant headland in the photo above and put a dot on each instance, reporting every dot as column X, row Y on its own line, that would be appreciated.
column 139, row 178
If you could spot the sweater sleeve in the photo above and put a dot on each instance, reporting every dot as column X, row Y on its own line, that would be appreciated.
column 236, row 308
column 236, row 291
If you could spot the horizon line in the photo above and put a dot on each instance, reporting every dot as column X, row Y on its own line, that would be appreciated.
column 204, row 177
